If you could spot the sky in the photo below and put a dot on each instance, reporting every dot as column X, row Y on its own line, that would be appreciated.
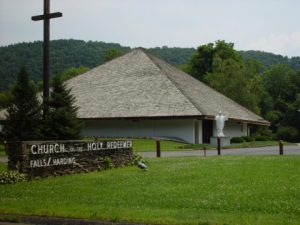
column 266, row 25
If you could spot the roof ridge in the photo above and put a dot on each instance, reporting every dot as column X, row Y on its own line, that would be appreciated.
column 149, row 55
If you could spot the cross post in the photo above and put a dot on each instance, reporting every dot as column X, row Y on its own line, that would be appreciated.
column 46, row 67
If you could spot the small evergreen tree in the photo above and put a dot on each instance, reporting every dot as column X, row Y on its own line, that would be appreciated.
column 23, row 112
column 61, row 122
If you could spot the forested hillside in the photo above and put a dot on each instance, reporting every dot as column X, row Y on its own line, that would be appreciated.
column 66, row 54
column 269, row 59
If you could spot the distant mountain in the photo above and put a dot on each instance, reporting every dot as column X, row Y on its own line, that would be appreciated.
column 68, row 53
column 174, row 56
column 65, row 54
column 269, row 59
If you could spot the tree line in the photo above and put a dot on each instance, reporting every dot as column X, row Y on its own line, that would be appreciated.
column 272, row 92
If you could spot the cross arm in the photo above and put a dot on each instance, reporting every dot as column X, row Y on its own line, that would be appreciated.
column 47, row 16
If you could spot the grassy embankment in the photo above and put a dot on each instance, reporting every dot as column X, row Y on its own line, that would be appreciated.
column 211, row 190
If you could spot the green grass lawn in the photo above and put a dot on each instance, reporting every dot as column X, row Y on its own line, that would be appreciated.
column 256, row 144
column 200, row 190
column 143, row 145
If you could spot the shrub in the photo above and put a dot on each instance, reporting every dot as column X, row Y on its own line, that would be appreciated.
column 136, row 158
column 287, row 133
column 108, row 163
column 236, row 140
column 248, row 138
column 11, row 177
column 263, row 138
column 263, row 134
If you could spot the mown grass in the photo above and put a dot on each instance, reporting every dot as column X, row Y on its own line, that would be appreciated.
column 211, row 190
column 256, row 144
column 143, row 145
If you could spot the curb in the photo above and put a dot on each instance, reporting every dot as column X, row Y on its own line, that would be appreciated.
column 45, row 220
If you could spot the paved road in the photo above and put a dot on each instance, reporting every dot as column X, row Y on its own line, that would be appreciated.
column 271, row 150
column 8, row 223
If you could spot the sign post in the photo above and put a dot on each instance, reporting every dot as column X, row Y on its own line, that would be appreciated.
column 280, row 147
column 219, row 145
column 158, row 148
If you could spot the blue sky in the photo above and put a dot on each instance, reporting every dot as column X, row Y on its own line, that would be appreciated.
column 267, row 25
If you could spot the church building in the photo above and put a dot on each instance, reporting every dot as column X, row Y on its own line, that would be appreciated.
column 140, row 95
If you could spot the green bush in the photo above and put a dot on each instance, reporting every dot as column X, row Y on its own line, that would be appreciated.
column 287, row 133
column 248, row 138
column 11, row 177
column 236, row 140
column 136, row 158
column 263, row 138
column 263, row 134
column 108, row 163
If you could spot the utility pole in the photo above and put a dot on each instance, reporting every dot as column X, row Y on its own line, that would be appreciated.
column 46, row 67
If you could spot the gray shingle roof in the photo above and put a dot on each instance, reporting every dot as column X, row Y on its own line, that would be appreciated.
column 139, row 84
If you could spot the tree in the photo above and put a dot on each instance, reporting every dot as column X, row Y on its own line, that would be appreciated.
column 278, row 83
column 23, row 112
column 283, row 86
column 111, row 54
column 202, row 61
column 61, row 122
column 206, row 56
column 222, row 68
column 73, row 72
column 5, row 99
column 238, row 81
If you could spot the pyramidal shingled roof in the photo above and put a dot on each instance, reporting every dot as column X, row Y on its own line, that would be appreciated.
column 140, row 85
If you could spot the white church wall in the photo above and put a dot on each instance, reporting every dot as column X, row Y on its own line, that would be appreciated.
column 197, row 132
column 200, row 132
column 174, row 128
column 233, row 129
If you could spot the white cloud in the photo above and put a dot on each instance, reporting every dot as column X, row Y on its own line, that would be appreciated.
column 284, row 44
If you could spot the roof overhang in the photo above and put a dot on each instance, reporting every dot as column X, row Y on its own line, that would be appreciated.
column 199, row 117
